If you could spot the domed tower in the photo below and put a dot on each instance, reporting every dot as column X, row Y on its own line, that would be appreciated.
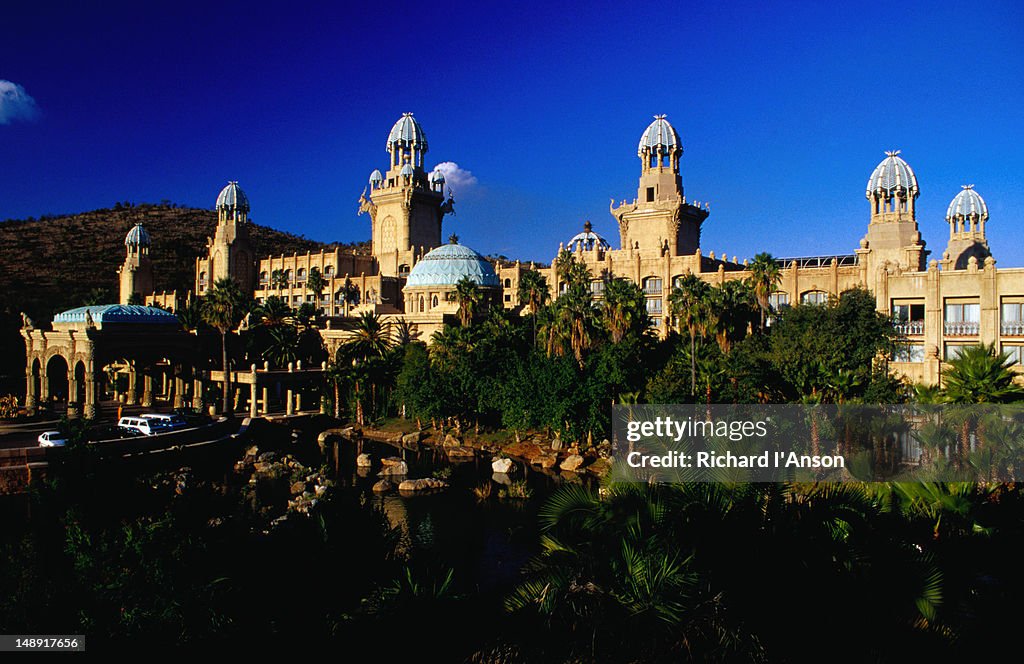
column 660, row 216
column 405, row 205
column 966, row 216
column 893, row 237
column 136, row 273
column 230, row 251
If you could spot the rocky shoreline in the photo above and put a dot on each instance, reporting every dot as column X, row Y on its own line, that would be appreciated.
column 533, row 450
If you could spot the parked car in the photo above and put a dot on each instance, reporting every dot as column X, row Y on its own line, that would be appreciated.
column 166, row 422
column 138, row 424
column 52, row 439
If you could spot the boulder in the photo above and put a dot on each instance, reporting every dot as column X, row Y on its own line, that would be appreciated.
column 412, row 440
column 298, row 488
column 451, row 441
column 600, row 467
column 502, row 465
column 546, row 460
column 528, row 451
column 460, row 453
column 383, row 486
column 394, row 466
column 364, row 461
column 424, row 484
column 572, row 463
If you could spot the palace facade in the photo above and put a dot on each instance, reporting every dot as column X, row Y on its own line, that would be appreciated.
column 939, row 305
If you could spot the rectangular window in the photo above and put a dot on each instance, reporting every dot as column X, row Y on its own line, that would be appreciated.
column 650, row 194
column 908, row 318
column 953, row 350
column 909, row 353
column 1016, row 353
column 962, row 318
column 1012, row 318
column 654, row 305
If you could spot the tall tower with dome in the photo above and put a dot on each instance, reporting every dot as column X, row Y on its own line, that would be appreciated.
column 405, row 204
column 893, row 240
column 660, row 219
column 136, row 273
column 229, row 251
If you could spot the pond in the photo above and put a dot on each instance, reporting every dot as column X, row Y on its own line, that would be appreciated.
column 485, row 540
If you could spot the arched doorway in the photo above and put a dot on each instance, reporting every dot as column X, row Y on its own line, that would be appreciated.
column 79, row 396
column 57, row 378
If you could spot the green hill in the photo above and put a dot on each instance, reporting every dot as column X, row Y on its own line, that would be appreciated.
column 54, row 263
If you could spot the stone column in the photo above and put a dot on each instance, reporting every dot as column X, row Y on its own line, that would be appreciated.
column 147, row 389
column 298, row 402
column 290, row 403
column 72, row 395
column 90, row 396
column 266, row 400
column 131, row 397
column 197, row 394
column 253, row 401
column 179, row 392
column 30, row 389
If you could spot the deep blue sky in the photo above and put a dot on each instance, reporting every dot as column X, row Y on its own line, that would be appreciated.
column 783, row 111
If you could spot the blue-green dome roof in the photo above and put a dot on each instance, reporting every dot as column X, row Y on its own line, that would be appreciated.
column 137, row 237
column 967, row 204
column 660, row 137
column 232, row 197
column 118, row 313
column 407, row 133
column 893, row 176
column 448, row 264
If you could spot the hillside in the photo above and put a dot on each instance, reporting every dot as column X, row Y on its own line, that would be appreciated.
column 51, row 264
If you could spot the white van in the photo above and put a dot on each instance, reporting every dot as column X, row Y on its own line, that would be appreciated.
column 165, row 422
column 138, row 424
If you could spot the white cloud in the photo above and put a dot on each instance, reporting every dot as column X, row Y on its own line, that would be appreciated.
column 15, row 103
column 455, row 177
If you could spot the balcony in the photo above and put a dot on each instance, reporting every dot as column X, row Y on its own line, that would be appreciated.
column 909, row 328
column 1012, row 328
column 652, row 289
column 962, row 328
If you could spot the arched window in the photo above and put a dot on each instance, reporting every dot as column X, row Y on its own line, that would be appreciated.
column 652, row 285
column 328, row 270
column 202, row 277
column 421, row 304
column 302, row 274
column 508, row 283
column 778, row 299
column 814, row 297
column 263, row 277
column 403, row 270
column 433, row 302
column 288, row 275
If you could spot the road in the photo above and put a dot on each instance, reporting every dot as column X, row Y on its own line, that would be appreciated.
column 26, row 434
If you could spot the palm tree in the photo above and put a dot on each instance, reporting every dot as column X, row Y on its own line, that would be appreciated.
column 623, row 308
column 283, row 347
column 689, row 302
column 764, row 277
column 222, row 309
column 981, row 375
column 278, row 279
column 349, row 293
column 190, row 316
column 467, row 294
column 534, row 293
column 274, row 312
column 315, row 283
column 730, row 313
column 369, row 342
